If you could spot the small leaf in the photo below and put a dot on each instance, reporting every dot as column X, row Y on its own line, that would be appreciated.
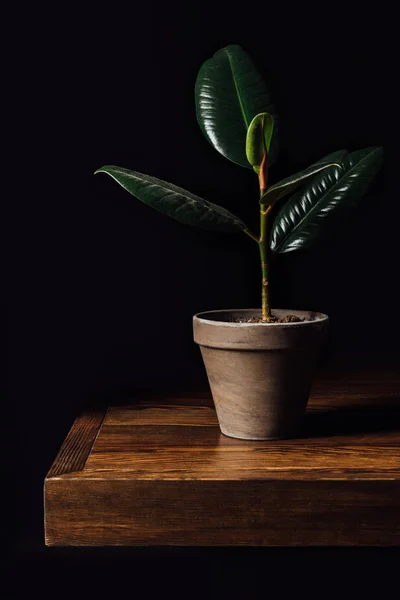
column 290, row 184
column 174, row 201
column 258, row 139
column 325, row 202
column 229, row 93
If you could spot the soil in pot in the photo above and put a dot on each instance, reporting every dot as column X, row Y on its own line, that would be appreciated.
column 285, row 319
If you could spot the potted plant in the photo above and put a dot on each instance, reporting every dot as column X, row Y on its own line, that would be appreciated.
column 259, row 362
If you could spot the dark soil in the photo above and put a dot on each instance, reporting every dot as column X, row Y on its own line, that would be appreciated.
column 287, row 319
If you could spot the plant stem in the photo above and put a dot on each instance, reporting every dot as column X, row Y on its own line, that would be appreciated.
column 263, row 245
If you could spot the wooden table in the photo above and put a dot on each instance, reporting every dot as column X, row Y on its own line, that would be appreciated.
column 159, row 472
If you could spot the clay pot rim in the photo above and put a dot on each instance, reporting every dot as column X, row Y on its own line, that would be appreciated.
column 318, row 317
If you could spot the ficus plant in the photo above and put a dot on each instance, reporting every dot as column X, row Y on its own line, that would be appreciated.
column 235, row 113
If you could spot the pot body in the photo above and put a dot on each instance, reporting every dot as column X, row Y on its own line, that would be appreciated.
column 260, row 374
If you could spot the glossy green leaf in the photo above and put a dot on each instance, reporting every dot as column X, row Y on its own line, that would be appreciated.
column 174, row 201
column 229, row 93
column 290, row 184
column 258, row 139
column 313, row 212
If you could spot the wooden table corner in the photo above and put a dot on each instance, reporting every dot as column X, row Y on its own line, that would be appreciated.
column 158, row 472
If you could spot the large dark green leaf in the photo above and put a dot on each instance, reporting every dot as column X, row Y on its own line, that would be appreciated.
column 290, row 184
column 314, row 211
column 174, row 201
column 229, row 93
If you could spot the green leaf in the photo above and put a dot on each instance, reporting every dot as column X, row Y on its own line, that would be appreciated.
column 258, row 139
column 325, row 202
column 290, row 184
column 229, row 93
column 174, row 201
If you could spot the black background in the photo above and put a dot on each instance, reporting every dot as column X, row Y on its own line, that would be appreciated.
column 103, row 288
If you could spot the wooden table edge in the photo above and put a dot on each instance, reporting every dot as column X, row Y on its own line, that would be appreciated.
column 76, row 449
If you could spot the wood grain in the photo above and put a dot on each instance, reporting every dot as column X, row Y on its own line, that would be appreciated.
column 162, row 415
column 159, row 472
column 77, row 445
column 128, row 512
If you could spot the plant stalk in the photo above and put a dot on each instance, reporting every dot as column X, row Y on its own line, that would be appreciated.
column 263, row 245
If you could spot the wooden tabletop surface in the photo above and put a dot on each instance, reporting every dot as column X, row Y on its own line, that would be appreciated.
column 158, row 471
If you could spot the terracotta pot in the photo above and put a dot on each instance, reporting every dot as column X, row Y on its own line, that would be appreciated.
column 260, row 374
